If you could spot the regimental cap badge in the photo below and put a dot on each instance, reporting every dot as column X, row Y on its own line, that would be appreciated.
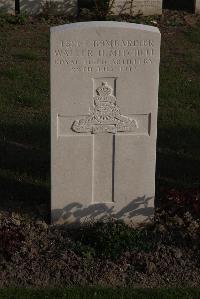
column 104, row 90
column 105, row 117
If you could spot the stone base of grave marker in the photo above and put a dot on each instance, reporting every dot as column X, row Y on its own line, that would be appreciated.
column 7, row 7
column 134, row 7
column 33, row 7
column 104, row 98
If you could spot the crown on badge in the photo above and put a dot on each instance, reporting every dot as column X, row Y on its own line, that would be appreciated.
column 104, row 90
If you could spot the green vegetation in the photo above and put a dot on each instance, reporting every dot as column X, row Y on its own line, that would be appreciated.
column 99, row 293
column 179, row 109
column 109, row 240
column 24, row 118
column 99, row 8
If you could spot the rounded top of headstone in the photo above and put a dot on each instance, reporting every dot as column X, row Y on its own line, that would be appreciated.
column 104, row 24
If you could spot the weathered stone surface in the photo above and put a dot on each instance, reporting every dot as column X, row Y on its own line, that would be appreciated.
column 7, row 6
column 197, row 6
column 134, row 7
column 32, row 7
column 104, row 98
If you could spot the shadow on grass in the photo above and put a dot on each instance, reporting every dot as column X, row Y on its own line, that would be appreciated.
column 26, row 198
column 24, row 159
column 36, row 133
column 178, row 160
column 176, row 172
column 25, row 170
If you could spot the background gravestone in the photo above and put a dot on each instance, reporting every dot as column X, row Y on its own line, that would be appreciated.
column 68, row 7
column 197, row 6
column 134, row 7
column 7, row 6
column 104, row 98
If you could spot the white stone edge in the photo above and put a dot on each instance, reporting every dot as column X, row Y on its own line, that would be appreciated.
column 102, row 24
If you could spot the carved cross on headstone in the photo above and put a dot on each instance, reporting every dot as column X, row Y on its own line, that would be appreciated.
column 104, row 122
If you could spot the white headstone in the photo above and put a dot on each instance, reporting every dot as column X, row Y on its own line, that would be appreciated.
column 104, row 98
column 197, row 6
column 32, row 7
column 7, row 6
column 134, row 7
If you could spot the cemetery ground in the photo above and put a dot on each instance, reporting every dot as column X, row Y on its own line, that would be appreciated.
column 166, row 253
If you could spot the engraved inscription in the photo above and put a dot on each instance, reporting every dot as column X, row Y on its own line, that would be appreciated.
column 105, row 55
column 105, row 115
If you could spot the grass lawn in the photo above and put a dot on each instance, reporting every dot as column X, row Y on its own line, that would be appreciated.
column 178, row 155
column 25, row 118
column 25, row 114
column 88, row 293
